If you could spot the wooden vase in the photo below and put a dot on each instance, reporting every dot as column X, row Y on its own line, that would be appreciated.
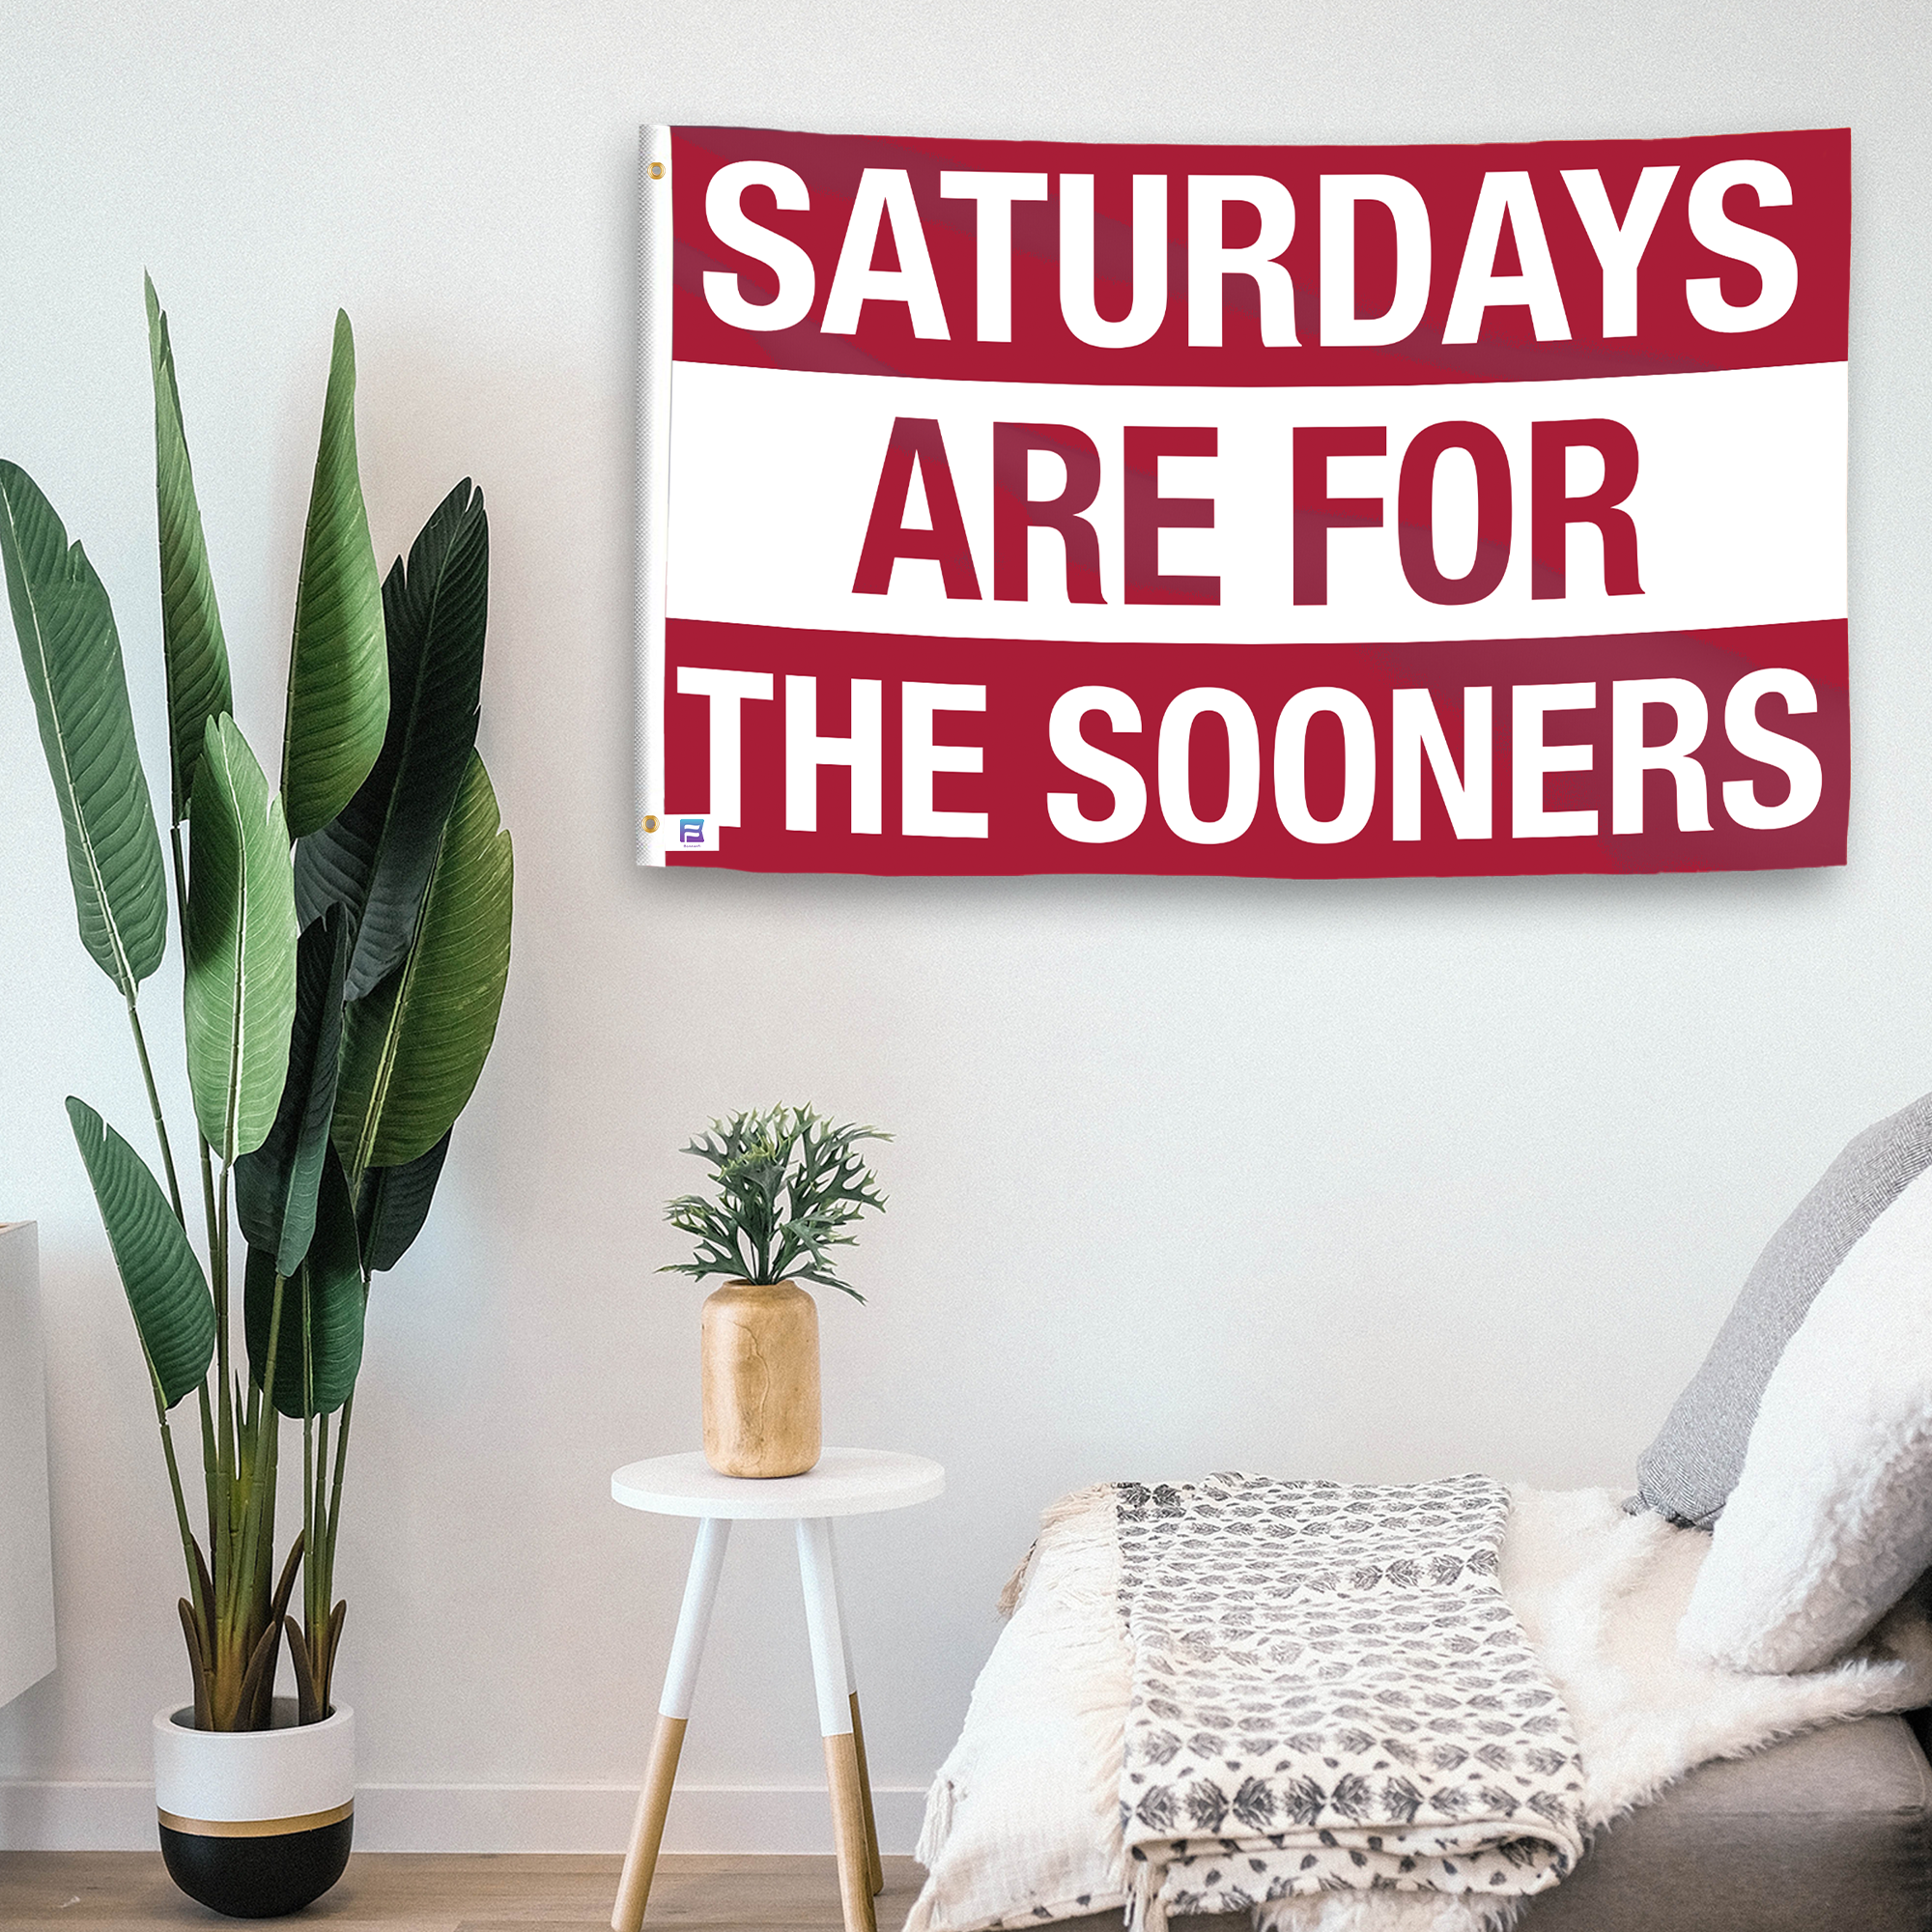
column 760, row 1350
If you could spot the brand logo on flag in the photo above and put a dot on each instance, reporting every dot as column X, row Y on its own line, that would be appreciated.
column 685, row 832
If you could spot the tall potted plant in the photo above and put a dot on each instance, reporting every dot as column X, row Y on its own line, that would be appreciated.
column 346, row 939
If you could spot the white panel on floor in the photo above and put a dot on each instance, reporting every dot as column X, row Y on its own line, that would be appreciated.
column 26, row 1547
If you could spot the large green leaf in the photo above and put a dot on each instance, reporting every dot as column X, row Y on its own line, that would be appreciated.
column 174, row 1314
column 376, row 857
column 394, row 1204
column 73, row 656
column 239, row 985
column 338, row 667
column 325, row 1295
column 412, row 1050
column 275, row 1185
column 192, row 646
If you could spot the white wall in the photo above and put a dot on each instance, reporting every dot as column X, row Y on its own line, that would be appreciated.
column 1371, row 1181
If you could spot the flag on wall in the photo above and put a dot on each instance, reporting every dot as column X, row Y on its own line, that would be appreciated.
column 1284, row 511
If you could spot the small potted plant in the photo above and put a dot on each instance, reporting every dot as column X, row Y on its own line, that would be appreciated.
column 791, row 1186
column 346, row 941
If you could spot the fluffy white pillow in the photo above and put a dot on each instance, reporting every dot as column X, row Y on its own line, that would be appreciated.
column 1831, row 1521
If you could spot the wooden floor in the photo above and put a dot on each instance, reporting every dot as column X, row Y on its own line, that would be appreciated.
column 101, row 1891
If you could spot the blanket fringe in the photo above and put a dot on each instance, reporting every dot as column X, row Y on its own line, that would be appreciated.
column 1079, row 1532
column 938, row 1824
column 1147, row 1912
column 1076, row 1502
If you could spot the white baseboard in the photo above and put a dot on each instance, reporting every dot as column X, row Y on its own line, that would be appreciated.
column 75, row 1817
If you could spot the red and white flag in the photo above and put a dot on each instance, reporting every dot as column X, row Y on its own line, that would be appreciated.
column 1287, row 511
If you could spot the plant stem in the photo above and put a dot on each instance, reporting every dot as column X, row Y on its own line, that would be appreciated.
column 308, row 1469
column 318, row 1580
column 155, row 1107
column 335, row 1517
column 308, row 1523
column 208, row 1213
column 225, row 1453
column 260, row 1488
column 211, row 1477
column 219, row 1494
column 201, row 1608
column 332, row 1523
column 201, row 1139
column 322, row 1471
column 210, row 1460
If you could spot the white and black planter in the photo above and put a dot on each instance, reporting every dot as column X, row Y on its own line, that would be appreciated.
column 256, row 1824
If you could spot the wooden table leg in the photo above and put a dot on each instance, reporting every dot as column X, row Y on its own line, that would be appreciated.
column 694, row 1619
column 818, row 1579
column 875, row 1864
column 641, row 1860
column 878, row 1864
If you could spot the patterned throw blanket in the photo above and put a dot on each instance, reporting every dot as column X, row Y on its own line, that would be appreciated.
column 1329, row 1692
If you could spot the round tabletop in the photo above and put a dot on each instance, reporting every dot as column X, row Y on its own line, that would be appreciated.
column 845, row 1482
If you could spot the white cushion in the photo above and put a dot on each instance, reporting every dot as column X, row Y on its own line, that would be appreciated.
column 1831, row 1521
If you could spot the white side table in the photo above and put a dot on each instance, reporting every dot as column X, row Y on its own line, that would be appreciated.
column 846, row 1481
